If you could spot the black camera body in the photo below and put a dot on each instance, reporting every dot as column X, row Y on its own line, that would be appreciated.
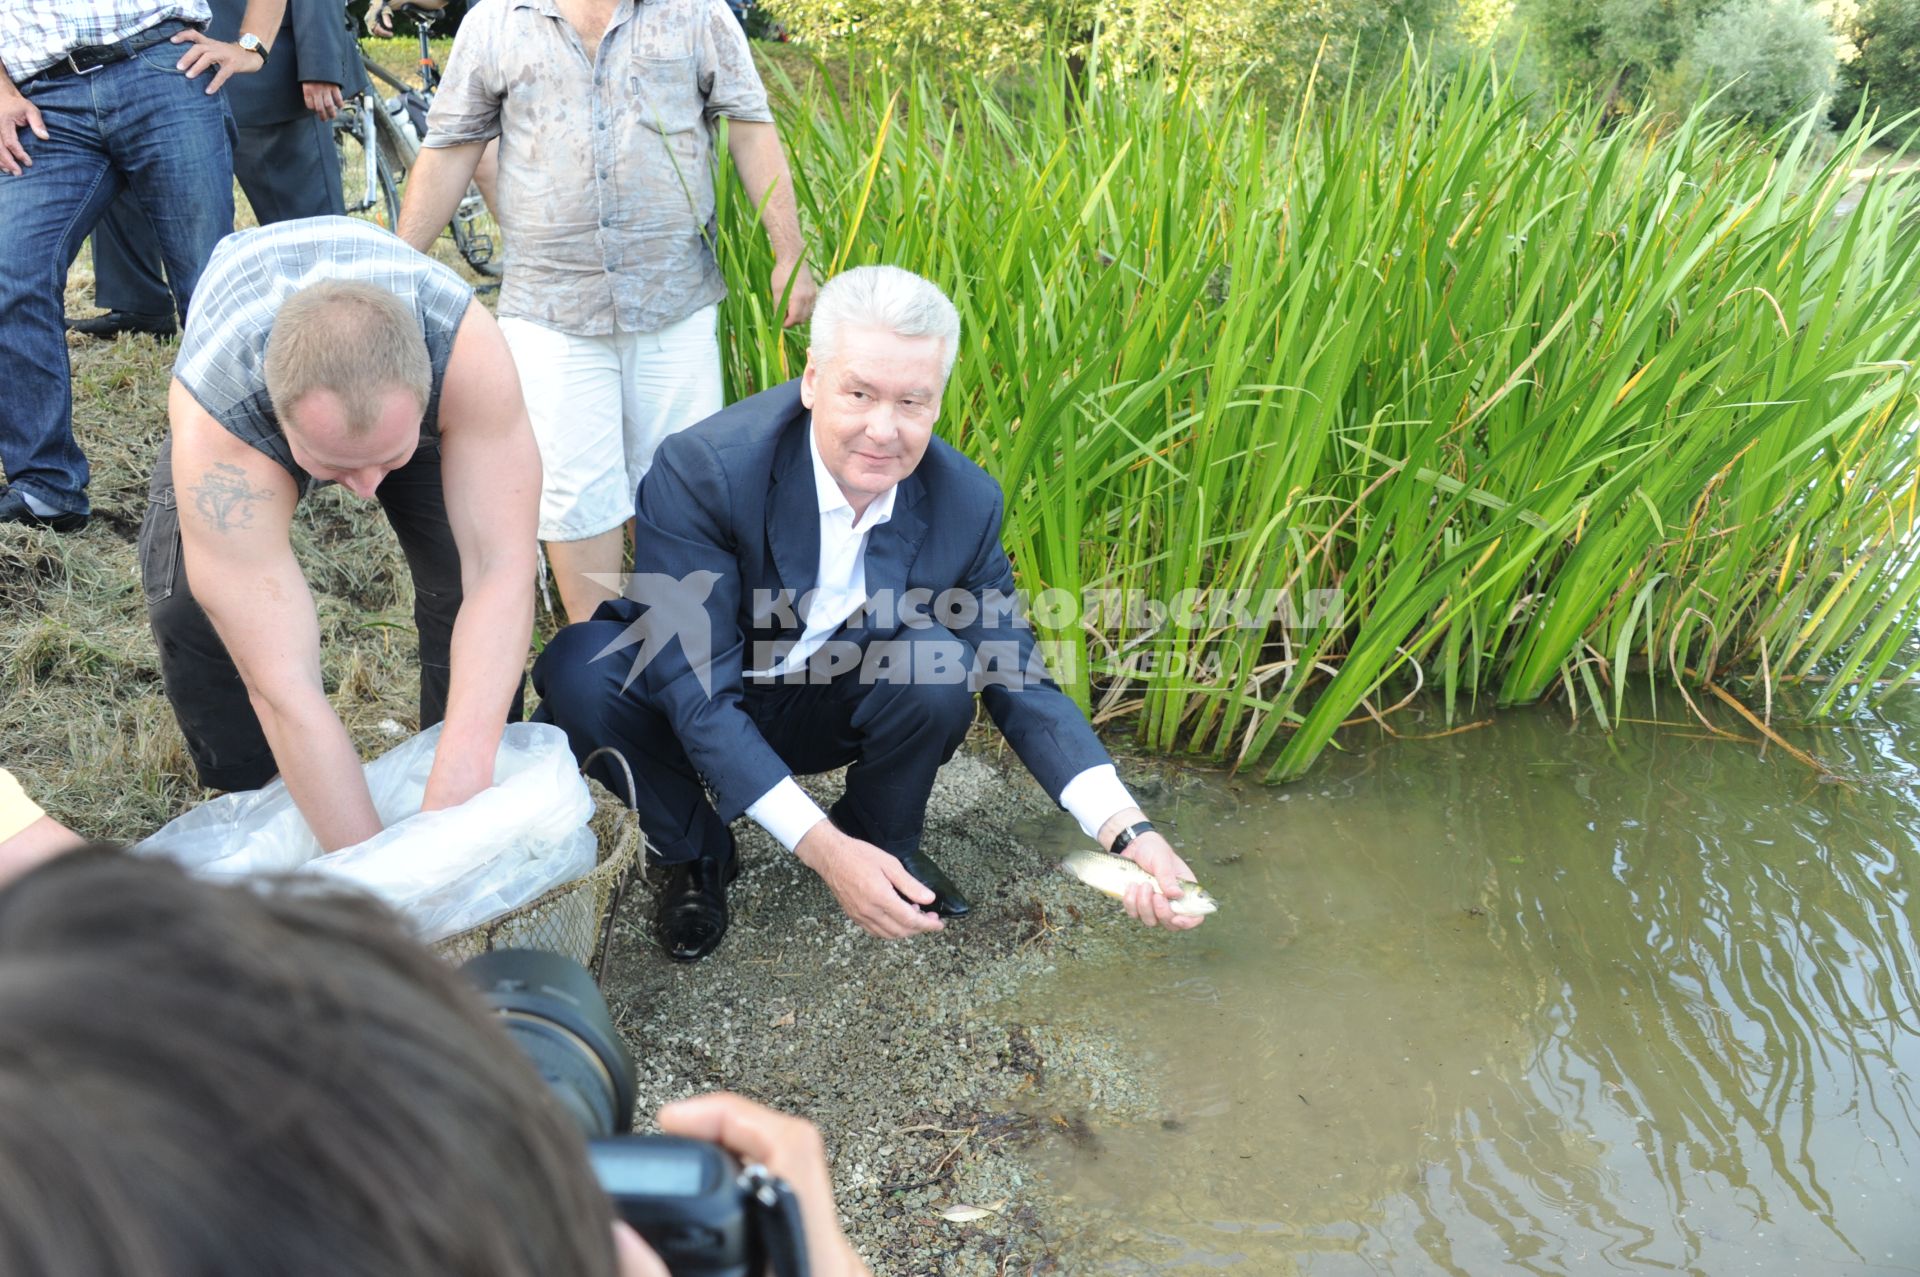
column 693, row 1203
column 697, row 1207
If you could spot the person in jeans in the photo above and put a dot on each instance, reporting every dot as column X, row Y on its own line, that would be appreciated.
column 325, row 350
column 605, row 111
column 96, row 97
column 284, row 156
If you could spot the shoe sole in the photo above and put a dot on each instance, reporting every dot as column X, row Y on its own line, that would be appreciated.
column 63, row 523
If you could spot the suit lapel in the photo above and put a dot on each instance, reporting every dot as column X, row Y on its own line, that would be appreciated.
column 793, row 514
column 892, row 546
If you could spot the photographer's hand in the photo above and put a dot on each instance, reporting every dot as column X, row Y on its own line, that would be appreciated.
column 791, row 1148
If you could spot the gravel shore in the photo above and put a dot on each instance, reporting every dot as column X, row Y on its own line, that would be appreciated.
column 907, row 1054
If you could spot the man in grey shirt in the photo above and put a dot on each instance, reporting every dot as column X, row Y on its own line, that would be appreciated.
column 606, row 112
column 325, row 350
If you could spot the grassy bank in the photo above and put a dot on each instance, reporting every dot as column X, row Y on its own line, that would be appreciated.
column 1555, row 404
column 1556, row 408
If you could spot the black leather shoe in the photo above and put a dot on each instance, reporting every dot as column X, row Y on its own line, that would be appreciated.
column 690, row 906
column 947, row 900
column 14, row 509
column 115, row 322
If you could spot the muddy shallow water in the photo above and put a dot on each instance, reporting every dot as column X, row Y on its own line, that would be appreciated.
column 1526, row 999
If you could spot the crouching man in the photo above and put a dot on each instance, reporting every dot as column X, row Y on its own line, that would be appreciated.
column 794, row 555
column 326, row 351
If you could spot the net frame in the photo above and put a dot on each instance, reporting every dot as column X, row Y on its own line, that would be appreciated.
column 575, row 918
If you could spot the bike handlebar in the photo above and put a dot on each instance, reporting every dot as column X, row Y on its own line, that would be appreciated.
column 424, row 18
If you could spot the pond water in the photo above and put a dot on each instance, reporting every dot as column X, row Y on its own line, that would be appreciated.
column 1529, row 999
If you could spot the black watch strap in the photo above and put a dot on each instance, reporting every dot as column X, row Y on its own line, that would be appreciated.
column 1124, row 839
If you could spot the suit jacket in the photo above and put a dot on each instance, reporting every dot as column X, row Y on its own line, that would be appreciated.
column 313, row 43
column 734, row 498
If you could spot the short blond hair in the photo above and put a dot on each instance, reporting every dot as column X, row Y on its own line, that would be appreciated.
column 357, row 340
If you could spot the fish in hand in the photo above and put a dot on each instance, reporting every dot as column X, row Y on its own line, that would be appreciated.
column 1114, row 874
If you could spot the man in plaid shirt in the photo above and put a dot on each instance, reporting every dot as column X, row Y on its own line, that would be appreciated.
column 97, row 97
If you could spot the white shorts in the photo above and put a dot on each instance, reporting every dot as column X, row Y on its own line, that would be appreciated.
column 601, row 405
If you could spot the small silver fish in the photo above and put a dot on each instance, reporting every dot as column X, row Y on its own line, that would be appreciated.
column 1114, row 874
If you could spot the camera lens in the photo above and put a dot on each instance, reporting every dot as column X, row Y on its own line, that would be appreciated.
column 555, row 1013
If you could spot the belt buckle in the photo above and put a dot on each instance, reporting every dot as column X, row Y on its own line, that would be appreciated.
column 77, row 68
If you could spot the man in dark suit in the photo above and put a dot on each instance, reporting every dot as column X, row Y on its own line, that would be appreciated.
column 284, row 157
column 819, row 582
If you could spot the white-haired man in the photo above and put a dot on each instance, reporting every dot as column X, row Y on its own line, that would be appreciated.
column 325, row 350
column 819, row 582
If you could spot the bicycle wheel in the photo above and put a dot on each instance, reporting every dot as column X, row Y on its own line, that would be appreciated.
column 366, row 181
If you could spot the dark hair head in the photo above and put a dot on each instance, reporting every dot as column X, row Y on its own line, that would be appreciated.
column 203, row 1081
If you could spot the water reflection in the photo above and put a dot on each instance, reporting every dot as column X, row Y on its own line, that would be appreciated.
column 1539, row 1001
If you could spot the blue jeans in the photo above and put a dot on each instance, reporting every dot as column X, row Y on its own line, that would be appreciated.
column 139, row 125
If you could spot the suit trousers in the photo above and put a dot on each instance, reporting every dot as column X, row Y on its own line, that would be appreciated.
column 287, row 170
column 224, row 737
column 891, row 732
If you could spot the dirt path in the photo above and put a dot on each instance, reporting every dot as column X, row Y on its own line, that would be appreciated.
column 1883, row 161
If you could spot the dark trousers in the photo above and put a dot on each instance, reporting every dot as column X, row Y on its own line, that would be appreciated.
column 138, row 125
column 894, row 733
column 288, row 170
column 223, row 734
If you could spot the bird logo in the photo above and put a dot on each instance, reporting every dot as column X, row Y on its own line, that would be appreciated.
column 674, row 607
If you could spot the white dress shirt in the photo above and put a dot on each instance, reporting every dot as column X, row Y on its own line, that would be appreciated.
column 840, row 590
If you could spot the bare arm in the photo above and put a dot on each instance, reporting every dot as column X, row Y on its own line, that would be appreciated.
column 490, row 471
column 434, row 187
column 28, row 835
column 263, row 18
column 762, row 166
column 38, row 843
column 236, row 507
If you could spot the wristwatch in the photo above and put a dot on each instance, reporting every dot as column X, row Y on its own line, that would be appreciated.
column 1124, row 839
column 253, row 44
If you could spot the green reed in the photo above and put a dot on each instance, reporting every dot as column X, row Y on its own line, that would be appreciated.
column 1555, row 403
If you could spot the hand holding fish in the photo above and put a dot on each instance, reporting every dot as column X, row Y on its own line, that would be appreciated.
column 1148, row 877
column 1155, row 908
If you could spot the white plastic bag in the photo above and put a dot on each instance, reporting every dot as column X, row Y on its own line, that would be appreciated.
column 445, row 870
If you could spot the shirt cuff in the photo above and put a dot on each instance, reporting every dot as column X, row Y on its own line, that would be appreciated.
column 439, row 137
column 787, row 813
column 1094, row 797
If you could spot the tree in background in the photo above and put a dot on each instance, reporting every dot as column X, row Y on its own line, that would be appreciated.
column 1768, row 61
column 1275, row 41
column 1886, row 34
column 1622, row 48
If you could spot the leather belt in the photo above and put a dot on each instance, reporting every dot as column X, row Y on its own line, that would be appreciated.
column 89, row 58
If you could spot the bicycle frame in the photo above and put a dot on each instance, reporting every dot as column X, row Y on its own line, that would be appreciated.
column 400, row 149
column 423, row 20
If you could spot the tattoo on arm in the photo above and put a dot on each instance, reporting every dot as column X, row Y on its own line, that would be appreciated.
column 224, row 497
